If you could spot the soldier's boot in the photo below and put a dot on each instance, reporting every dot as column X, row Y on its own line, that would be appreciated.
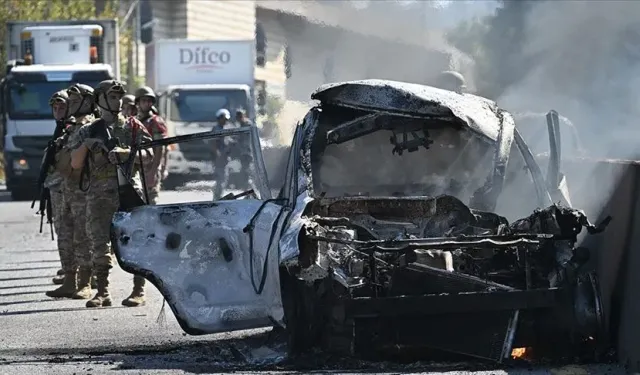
column 137, row 295
column 67, row 288
column 84, row 284
column 58, row 279
column 102, row 297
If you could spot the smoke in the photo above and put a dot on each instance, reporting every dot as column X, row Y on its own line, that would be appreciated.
column 586, row 58
column 333, row 41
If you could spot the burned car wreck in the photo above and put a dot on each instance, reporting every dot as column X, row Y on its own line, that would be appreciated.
column 384, row 237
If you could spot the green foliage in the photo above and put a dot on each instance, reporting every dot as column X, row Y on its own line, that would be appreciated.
column 496, row 42
column 273, row 106
column 53, row 10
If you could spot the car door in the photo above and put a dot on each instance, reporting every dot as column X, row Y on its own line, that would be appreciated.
column 216, row 263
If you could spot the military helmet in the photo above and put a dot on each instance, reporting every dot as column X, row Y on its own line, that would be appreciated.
column 59, row 96
column 451, row 80
column 128, row 100
column 110, row 85
column 145, row 91
column 80, row 89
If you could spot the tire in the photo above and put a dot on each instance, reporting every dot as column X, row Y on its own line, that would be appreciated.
column 18, row 195
column 172, row 182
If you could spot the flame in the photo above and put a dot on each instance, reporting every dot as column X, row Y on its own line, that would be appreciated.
column 518, row 352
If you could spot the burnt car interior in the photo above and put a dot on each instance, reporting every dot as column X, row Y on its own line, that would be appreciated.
column 398, row 260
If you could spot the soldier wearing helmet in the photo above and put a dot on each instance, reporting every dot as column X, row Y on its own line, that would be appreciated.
column 452, row 81
column 129, row 106
column 154, row 170
column 59, row 103
column 96, row 156
column 72, row 234
column 222, row 117
column 81, row 101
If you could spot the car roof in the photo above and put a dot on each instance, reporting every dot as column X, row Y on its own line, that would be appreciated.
column 479, row 114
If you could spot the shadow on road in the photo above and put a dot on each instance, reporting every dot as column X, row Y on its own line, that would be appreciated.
column 28, row 269
column 26, row 302
column 25, row 286
column 60, row 309
column 32, row 251
column 25, row 278
column 37, row 261
column 24, row 293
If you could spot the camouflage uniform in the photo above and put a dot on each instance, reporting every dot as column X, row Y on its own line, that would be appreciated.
column 102, row 195
column 53, row 183
column 73, row 213
column 154, row 170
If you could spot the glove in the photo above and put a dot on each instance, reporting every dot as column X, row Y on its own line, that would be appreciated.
column 94, row 144
column 118, row 155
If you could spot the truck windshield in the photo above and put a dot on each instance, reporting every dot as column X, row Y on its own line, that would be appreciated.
column 202, row 105
column 30, row 100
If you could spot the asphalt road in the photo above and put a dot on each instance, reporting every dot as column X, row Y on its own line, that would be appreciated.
column 40, row 335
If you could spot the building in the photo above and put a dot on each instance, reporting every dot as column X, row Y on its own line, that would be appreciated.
column 303, row 44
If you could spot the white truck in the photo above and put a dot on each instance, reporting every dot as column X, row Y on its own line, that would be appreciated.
column 193, row 80
column 44, row 57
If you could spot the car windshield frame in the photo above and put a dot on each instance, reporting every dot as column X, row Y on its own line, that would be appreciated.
column 205, row 111
column 249, row 131
column 467, row 135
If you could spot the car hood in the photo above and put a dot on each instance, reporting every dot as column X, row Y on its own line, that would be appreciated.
column 481, row 115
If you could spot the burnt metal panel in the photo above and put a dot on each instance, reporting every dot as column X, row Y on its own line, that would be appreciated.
column 473, row 302
column 486, row 335
column 616, row 256
column 479, row 114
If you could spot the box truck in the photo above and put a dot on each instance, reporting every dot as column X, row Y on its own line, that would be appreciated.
column 193, row 80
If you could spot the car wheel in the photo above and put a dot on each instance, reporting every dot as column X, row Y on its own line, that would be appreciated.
column 304, row 316
column 172, row 183
column 22, row 195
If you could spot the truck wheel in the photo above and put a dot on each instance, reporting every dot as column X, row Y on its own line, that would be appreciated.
column 22, row 195
column 172, row 183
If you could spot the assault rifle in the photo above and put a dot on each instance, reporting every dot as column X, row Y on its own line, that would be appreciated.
column 43, row 192
column 129, row 197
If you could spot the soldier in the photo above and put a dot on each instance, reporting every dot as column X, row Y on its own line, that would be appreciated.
column 73, row 230
column 129, row 106
column 97, row 153
column 153, row 172
column 241, row 117
column 60, row 109
column 452, row 81
column 243, row 153
column 219, row 154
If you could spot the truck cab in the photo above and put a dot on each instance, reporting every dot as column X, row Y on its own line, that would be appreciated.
column 195, row 79
column 192, row 109
column 45, row 57
column 27, row 119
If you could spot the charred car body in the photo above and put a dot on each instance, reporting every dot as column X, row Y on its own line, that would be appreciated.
column 383, row 236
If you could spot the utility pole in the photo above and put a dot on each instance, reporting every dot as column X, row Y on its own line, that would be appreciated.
column 137, row 39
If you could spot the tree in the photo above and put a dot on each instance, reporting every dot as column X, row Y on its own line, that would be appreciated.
column 43, row 10
column 495, row 42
